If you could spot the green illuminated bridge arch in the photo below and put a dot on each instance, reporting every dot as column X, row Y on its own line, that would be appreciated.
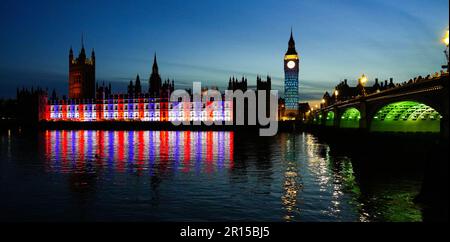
column 417, row 107
column 350, row 118
column 406, row 116
column 317, row 119
column 329, row 120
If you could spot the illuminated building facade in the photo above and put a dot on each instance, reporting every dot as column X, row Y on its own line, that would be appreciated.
column 291, row 70
column 131, row 108
column 90, row 103
column 81, row 75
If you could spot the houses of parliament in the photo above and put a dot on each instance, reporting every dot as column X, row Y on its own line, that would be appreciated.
column 89, row 101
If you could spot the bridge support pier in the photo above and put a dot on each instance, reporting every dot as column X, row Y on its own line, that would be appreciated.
column 363, row 122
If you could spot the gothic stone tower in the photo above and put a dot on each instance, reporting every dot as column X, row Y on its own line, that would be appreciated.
column 291, row 70
column 155, row 81
column 81, row 75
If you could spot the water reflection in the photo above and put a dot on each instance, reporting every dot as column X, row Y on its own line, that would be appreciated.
column 197, row 176
column 291, row 183
column 137, row 152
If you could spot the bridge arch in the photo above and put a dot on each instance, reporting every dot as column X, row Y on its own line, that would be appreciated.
column 329, row 118
column 406, row 116
column 350, row 118
column 317, row 118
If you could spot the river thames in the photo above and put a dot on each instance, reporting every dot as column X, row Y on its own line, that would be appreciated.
column 91, row 175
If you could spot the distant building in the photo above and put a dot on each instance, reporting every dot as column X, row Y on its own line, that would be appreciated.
column 81, row 75
column 31, row 105
column 303, row 109
column 343, row 91
column 136, row 88
column 265, row 86
column 101, row 91
column 234, row 84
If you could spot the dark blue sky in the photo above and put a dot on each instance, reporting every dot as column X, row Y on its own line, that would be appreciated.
column 200, row 40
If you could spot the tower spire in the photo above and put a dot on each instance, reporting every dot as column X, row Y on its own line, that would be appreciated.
column 291, row 49
column 82, row 54
column 82, row 40
column 155, row 64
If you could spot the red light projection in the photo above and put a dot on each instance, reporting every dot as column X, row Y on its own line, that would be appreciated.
column 137, row 152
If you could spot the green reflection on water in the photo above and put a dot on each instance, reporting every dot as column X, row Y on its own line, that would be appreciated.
column 397, row 207
column 388, row 202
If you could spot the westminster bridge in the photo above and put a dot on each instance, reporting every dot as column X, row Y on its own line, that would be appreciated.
column 417, row 107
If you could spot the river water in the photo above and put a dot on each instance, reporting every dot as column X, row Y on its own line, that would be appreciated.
column 89, row 175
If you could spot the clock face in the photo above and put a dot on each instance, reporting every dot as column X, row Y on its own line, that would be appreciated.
column 291, row 64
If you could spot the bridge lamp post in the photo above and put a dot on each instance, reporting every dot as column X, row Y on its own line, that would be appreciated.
column 323, row 103
column 446, row 51
column 363, row 80
column 336, row 93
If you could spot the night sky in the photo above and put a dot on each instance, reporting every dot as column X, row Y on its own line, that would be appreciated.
column 209, row 41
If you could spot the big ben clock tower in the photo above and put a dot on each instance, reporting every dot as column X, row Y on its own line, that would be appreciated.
column 291, row 70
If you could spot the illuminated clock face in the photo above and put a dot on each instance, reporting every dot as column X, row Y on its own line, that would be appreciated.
column 291, row 64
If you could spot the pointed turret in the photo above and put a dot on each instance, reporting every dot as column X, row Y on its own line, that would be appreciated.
column 291, row 48
column 138, row 80
column 70, row 55
column 155, row 65
column 137, row 85
column 93, row 55
column 82, row 55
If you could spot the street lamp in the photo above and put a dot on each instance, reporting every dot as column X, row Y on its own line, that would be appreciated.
column 445, row 41
column 363, row 81
column 336, row 93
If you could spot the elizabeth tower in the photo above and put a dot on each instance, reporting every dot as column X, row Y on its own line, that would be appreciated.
column 291, row 70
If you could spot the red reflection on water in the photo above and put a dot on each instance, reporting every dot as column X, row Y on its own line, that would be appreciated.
column 81, row 143
column 141, row 148
column 209, row 152
column 120, row 152
column 48, row 148
column 75, row 146
column 64, row 150
column 187, row 152
column 164, row 149
column 231, row 150
column 100, row 148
